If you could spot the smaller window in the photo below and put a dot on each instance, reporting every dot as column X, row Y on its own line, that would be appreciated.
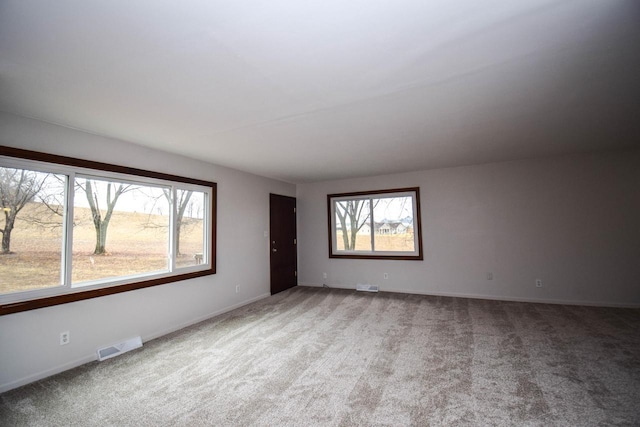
column 383, row 224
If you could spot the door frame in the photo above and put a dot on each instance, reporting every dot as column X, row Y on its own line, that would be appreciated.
column 282, row 227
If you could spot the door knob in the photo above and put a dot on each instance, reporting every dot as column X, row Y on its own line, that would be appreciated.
column 274, row 250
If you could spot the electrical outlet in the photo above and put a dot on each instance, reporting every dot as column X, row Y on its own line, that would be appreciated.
column 324, row 275
column 65, row 337
column 538, row 283
column 489, row 276
column 386, row 275
column 237, row 289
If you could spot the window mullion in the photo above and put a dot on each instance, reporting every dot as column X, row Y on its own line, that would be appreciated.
column 67, row 257
column 373, row 226
column 206, row 230
column 173, row 244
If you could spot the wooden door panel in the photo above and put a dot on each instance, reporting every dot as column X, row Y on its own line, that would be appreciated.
column 283, row 242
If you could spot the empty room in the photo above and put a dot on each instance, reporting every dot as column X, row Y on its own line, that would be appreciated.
column 336, row 213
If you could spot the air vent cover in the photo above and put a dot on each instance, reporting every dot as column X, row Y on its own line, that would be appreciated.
column 123, row 347
column 366, row 288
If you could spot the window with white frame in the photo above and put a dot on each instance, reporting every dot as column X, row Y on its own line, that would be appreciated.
column 72, row 228
column 382, row 224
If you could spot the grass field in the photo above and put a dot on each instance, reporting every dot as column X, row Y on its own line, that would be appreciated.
column 136, row 243
column 384, row 242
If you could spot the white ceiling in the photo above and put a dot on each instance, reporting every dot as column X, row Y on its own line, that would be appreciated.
column 314, row 90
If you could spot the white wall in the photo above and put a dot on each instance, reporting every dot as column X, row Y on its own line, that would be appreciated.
column 29, row 341
column 573, row 222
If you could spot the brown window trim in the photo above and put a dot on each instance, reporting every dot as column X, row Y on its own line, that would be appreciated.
column 18, row 306
column 417, row 224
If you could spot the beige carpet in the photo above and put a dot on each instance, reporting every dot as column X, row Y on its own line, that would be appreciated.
column 312, row 356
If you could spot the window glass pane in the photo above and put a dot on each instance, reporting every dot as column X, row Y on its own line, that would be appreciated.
column 191, row 211
column 393, row 218
column 31, row 226
column 353, row 225
column 120, row 229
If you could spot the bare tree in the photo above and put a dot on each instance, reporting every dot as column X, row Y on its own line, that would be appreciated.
column 17, row 188
column 48, row 213
column 100, row 223
column 184, row 205
column 182, row 201
column 350, row 214
column 53, row 199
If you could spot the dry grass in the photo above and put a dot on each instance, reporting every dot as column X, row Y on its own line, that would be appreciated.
column 388, row 242
column 136, row 243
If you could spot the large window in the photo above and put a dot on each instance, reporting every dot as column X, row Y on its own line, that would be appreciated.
column 383, row 224
column 74, row 229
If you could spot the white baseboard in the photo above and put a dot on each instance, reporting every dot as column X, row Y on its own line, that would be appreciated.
column 488, row 297
column 167, row 331
column 46, row 373
column 90, row 358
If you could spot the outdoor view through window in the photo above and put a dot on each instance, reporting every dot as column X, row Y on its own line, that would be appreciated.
column 31, row 224
column 120, row 229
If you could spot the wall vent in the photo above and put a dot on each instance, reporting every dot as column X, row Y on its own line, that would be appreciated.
column 366, row 287
column 117, row 349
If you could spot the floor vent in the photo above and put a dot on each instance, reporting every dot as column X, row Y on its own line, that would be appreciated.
column 115, row 350
column 366, row 288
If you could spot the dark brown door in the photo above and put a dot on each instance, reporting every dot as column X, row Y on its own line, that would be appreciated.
column 282, row 235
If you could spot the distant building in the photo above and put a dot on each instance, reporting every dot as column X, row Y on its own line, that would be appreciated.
column 385, row 227
column 365, row 229
column 393, row 227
